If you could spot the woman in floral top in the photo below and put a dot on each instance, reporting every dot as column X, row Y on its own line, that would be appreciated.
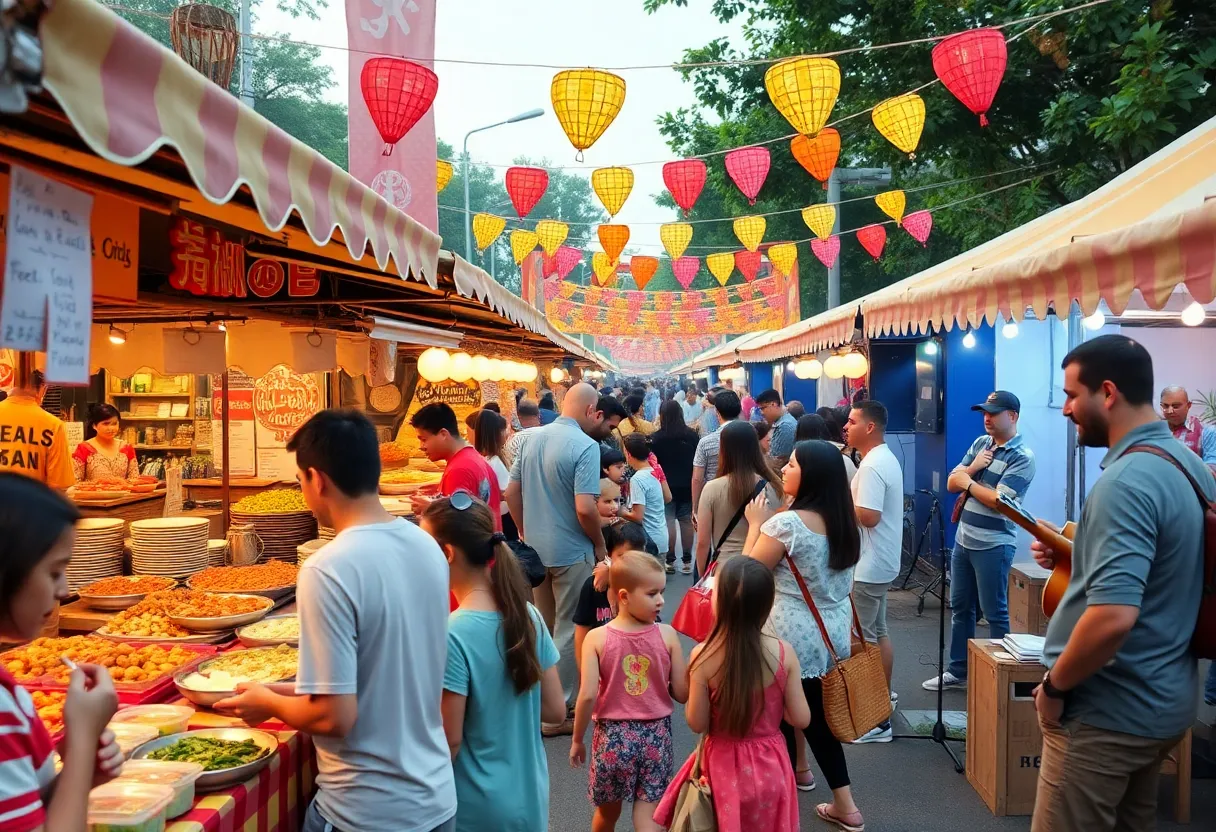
column 104, row 455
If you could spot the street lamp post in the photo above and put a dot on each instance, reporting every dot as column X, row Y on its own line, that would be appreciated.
column 468, row 220
column 851, row 176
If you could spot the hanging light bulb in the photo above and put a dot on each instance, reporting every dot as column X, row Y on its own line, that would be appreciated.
column 792, row 367
column 1194, row 314
column 556, row 375
column 530, row 372
column 969, row 340
column 117, row 336
column 481, row 368
column 930, row 348
column 461, row 367
column 433, row 365
column 833, row 367
column 1010, row 330
column 222, row 327
column 1095, row 321
column 856, row 365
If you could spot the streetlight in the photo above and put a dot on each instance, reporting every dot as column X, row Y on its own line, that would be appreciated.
column 468, row 221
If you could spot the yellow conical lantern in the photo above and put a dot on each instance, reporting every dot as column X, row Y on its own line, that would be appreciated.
column 613, row 238
column 721, row 265
column 443, row 175
column 820, row 219
column 604, row 268
column 750, row 231
column 675, row 237
column 612, row 186
column 783, row 256
column 551, row 234
column 804, row 90
column 522, row 243
column 900, row 120
column 892, row 204
column 586, row 101
column 486, row 228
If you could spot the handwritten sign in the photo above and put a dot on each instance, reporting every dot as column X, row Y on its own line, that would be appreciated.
column 450, row 392
column 48, row 274
column 75, row 434
column 283, row 400
column 173, row 492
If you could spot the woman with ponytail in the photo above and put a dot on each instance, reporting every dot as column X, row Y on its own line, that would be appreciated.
column 501, row 680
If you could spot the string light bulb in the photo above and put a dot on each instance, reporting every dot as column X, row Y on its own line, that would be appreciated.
column 930, row 347
column 117, row 336
column 969, row 340
column 1010, row 330
column 1194, row 314
column 1095, row 321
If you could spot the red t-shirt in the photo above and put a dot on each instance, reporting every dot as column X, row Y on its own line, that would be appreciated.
column 467, row 471
column 26, row 764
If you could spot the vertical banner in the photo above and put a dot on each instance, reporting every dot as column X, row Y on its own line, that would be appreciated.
column 793, row 295
column 531, row 281
column 407, row 177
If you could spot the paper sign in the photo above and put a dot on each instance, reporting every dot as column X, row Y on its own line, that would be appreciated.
column 75, row 434
column 173, row 492
column 48, row 274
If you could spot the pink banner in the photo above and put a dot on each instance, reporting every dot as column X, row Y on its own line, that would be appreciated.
column 407, row 178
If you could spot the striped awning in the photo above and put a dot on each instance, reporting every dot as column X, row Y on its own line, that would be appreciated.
column 128, row 97
column 823, row 331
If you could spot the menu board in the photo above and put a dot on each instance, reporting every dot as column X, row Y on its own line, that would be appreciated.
column 242, row 433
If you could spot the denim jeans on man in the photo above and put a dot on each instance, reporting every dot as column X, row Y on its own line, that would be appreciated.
column 978, row 577
column 1209, row 689
column 315, row 822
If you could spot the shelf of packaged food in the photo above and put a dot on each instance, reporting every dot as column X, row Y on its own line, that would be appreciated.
column 185, row 448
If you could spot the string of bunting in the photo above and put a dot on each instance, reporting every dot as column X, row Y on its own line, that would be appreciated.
column 632, row 299
column 653, row 351
column 579, row 318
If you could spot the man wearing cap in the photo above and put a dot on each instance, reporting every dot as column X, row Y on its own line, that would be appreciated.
column 997, row 463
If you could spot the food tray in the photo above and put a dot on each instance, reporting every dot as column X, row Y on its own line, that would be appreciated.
column 251, row 642
column 97, row 496
column 140, row 693
column 198, row 638
column 274, row 593
column 116, row 602
column 397, row 489
column 210, row 781
column 224, row 622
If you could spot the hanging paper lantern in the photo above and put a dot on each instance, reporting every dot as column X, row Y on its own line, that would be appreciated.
column 783, row 256
column 804, row 90
column 748, row 168
column 971, row 65
column 551, row 234
column 834, row 366
column 873, row 238
column 613, row 238
column 685, row 269
column 919, row 224
column 486, row 228
column 900, row 120
column 397, row 93
column 892, row 204
column 721, row 265
column 567, row 258
column 433, row 364
column 685, row 179
column 820, row 219
column 612, row 186
column 826, row 250
column 604, row 268
column 443, row 175
column 748, row 263
column 585, row 102
column 817, row 155
column 675, row 237
column 523, row 242
column 548, row 265
column 856, row 365
column 643, row 268
column 750, row 231
column 526, row 186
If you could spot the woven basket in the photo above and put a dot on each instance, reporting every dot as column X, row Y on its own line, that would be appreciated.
column 855, row 695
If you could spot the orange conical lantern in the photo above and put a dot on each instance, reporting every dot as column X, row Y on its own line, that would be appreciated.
column 523, row 242
column 900, row 121
column 892, row 204
column 675, row 237
column 586, row 101
column 486, row 228
column 721, row 266
column 551, row 234
column 750, row 231
column 613, row 238
column 642, row 269
column 604, row 268
column 612, row 186
column 443, row 175
column 818, row 155
column 783, row 256
column 804, row 90
column 820, row 219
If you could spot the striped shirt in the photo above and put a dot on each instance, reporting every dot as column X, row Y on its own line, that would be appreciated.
column 27, row 760
column 1010, row 473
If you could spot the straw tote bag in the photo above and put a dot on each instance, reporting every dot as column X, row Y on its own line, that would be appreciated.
column 855, row 694
column 694, row 809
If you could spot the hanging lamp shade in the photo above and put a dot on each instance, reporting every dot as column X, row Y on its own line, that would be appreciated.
column 748, row 168
column 873, row 238
column 612, row 186
column 486, row 228
column 804, row 90
column 820, row 219
column 525, row 187
column 443, row 174
column 613, row 238
column 685, row 179
column 971, row 65
column 397, row 93
column 205, row 37
column 892, row 204
column 523, row 242
column 675, row 237
column 900, row 121
column 919, row 224
column 748, row 263
column 604, row 268
column 826, row 250
column 817, row 154
column 567, row 258
column 750, row 231
column 721, row 266
column 586, row 101
column 685, row 269
column 551, row 234
column 783, row 256
column 643, row 268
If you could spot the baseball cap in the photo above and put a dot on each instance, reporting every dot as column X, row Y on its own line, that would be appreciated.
column 998, row 402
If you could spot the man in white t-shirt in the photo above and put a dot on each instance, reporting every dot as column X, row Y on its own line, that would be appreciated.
column 373, row 607
column 878, row 498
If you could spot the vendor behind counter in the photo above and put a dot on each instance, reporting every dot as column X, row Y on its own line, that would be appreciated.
column 33, row 442
column 103, row 454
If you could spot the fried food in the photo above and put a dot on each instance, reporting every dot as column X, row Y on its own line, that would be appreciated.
column 124, row 662
column 270, row 575
column 408, row 476
column 278, row 501
column 151, row 617
column 49, row 705
column 134, row 585
column 394, row 452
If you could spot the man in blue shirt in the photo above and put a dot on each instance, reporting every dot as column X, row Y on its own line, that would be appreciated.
column 785, row 426
column 1121, row 687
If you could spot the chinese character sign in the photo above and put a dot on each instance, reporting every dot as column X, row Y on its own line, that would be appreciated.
column 406, row 177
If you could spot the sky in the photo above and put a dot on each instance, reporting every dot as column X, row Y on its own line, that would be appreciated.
column 574, row 33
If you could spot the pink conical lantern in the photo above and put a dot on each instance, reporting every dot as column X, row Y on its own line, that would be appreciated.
column 748, row 264
column 826, row 250
column 873, row 238
column 686, row 269
column 567, row 258
column 919, row 224
column 748, row 168
column 548, row 265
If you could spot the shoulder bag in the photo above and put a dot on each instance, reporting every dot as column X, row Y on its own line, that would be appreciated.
column 694, row 807
column 855, row 694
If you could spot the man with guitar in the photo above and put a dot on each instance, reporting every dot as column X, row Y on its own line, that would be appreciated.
column 1121, row 686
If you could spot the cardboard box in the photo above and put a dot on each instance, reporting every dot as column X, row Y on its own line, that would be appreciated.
column 1026, row 582
column 1004, row 742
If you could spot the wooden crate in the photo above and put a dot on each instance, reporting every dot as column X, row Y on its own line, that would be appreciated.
column 1026, row 615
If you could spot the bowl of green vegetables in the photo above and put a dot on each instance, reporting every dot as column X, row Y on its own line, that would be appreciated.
column 228, row 755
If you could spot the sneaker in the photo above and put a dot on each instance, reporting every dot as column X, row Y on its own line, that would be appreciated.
column 686, row 568
column 671, row 569
column 947, row 681
column 894, row 700
column 882, row 733
column 565, row 728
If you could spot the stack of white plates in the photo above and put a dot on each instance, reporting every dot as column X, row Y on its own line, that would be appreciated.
column 97, row 552
column 326, row 533
column 306, row 550
column 280, row 533
column 217, row 551
column 175, row 547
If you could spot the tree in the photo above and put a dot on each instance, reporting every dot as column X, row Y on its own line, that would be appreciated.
column 1087, row 95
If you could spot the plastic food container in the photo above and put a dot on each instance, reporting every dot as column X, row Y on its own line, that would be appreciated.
column 166, row 719
column 131, row 735
column 128, row 807
column 178, row 776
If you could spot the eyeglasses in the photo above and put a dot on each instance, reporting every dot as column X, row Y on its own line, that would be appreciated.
column 460, row 499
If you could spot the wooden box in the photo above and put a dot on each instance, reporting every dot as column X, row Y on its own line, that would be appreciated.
column 1004, row 743
column 1026, row 582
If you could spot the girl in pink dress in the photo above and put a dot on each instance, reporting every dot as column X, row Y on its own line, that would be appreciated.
column 742, row 683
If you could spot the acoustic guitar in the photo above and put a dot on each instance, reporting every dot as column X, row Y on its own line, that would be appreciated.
column 1060, row 542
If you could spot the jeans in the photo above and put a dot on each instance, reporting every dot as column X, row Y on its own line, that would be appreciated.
column 315, row 822
column 1209, row 689
column 557, row 599
column 978, row 577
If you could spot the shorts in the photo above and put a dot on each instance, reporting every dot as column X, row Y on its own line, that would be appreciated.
column 870, row 601
column 630, row 760
column 680, row 506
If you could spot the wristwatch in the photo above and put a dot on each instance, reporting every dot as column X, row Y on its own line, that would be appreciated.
column 1051, row 690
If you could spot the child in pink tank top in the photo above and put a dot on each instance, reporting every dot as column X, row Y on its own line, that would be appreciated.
column 632, row 670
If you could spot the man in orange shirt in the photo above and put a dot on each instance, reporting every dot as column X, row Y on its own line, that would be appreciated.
column 32, row 441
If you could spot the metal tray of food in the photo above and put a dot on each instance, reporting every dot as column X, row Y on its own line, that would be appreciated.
column 225, row 622
column 250, row 641
column 224, row 778
column 214, row 637
column 274, row 593
column 112, row 602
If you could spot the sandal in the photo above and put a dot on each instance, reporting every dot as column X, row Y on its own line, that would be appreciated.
column 852, row 822
column 801, row 773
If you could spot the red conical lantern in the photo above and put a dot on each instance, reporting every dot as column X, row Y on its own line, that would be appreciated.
column 685, row 269
column 826, row 250
column 567, row 258
column 548, row 265
column 971, row 65
column 526, row 186
column 397, row 93
column 919, row 224
column 748, row 168
column 873, row 238
column 685, row 179
column 748, row 263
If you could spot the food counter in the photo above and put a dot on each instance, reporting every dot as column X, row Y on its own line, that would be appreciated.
column 129, row 507
column 238, row 487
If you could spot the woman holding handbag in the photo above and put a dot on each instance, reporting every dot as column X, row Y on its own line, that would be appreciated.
column 815, row 542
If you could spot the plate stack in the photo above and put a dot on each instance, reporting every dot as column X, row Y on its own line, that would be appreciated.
column 173, row 547
column 307, row 550
column 217, row 552
column 280, row 533
column 97, row 552
column 326, row 533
